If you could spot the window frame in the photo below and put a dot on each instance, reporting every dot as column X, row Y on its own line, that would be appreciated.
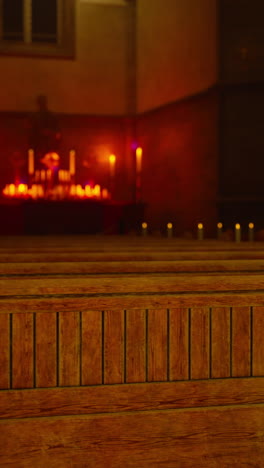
column 63, row 48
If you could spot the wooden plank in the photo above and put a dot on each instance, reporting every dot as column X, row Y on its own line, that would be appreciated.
column 241, row 342
column 200, row 354
column 220, row 345
column 46, row 350
column 184, row 438
column 135, row 346
column 135, row 397
column 4, row 351
column 69, row 348
column 157, row 346
column 130, row 301
column 94, row 267
column 132, row 284
column 258, row 342
column 179, row 344
column 22, row 351
column 92, row 347
column 113, row 346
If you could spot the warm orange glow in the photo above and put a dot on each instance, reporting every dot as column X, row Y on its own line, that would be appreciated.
column 237, row 226
column 251, row 225
column 22, row 188
column 200, row 226
column 219, row 225
column 31, row 162
column 72, row 162
column 112, row 162
column 169, row 225
column 139, row 159
column 144, row 225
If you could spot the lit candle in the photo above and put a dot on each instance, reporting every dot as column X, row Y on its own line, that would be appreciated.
column 139, row 159
column 169, row 230
column 31, row 162
column 105, row 193
column 200, row 231
column 237, row 233
column 144, row 229
column 72, row 162
column 251, row 232
column 43, row 175
column 112, row 162
column 219, row 230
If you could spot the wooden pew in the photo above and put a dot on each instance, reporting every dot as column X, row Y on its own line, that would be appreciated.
column 132, row 371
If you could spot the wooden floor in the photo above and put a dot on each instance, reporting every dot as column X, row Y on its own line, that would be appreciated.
column 131, row 352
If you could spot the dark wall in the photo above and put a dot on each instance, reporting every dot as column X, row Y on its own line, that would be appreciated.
column 180, row 180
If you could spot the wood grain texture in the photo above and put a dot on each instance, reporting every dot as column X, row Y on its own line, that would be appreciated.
column 22, row 351
column 179, row 344
column 228, row 436
column 69, row 348
column 132, row 284
column 113, row 346
column 92, row 349
column 154, row 266
column 135, row 346
column 4, row 351
column 220, row 346
column 46, row 350
column 241, row 337
column 200, row 353
column 130, row 397
column 258, row 341
column 157, row 346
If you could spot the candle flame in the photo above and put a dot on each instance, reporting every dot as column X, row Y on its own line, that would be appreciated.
column 251, row 225
column 200, row 226
column 220, row 225
column 169, row 225
column 144, row 225
column 237, row 226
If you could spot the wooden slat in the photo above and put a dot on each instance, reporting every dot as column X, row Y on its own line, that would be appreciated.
column 91, row 348
column 229, row 436
column 113, row 346
column 258, row 341
column 135, row 397
column 22, row 351
column 220, row 359
column 241, row 342
column 157, row 347
column 200, row 343
column 69, row 348
column 46, row 350
column 179, row 344
column 4, row 351
column 135, row 346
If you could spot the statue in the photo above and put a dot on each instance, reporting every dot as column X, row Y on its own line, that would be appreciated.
column 44, row 135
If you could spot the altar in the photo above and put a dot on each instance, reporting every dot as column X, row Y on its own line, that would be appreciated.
column 69, row 217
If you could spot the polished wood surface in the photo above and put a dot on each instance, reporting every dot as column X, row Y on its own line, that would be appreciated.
column 142, row 363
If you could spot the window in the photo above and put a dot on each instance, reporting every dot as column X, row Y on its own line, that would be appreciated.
column 37, row 27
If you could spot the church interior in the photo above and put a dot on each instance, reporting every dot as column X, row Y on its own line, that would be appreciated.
column 131, row 233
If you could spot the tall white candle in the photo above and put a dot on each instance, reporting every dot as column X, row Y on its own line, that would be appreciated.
column 251, row 232
column 237, row 233
column 31, row 161
column 72, row 167
column 169, row 230
column 112, row 163
column 200, row 231
column 139, row 159
column 219, row 230
column 144, row 229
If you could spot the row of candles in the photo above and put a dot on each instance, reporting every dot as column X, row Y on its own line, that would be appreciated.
column 74, row 191
column 200, row 231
